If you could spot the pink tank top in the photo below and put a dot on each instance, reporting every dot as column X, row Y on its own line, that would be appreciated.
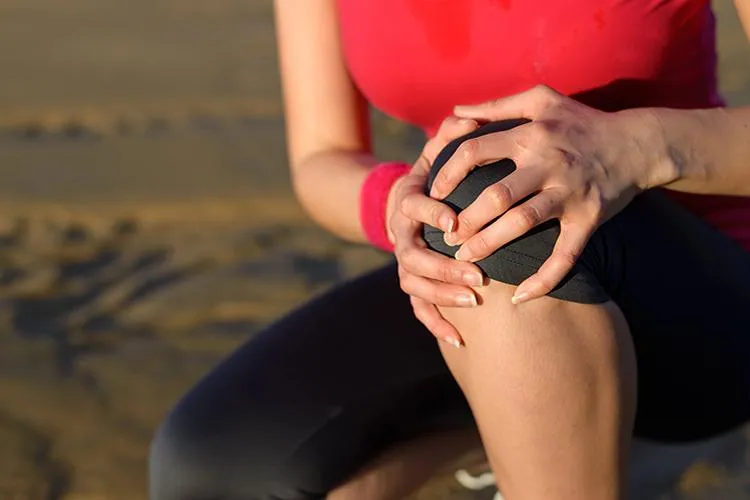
column 416, row 59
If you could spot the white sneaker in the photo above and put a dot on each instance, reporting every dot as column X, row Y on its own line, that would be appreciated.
column 477, row 483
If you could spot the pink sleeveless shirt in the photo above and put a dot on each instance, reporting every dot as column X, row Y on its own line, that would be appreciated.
column 416, row 59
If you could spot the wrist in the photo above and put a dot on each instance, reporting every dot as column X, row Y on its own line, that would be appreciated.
column 378, row 202
column 392, row 206
column 656, row 162
column 669, row 162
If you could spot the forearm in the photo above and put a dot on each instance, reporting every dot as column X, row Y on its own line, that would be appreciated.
column 702, row 151
column 327, row 186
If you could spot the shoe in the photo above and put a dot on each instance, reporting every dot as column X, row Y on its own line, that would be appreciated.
column 476, row 483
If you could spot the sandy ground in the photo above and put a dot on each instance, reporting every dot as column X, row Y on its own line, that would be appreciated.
column 147, row 228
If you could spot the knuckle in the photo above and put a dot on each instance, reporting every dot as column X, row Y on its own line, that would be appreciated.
column 539, row 131
column 422, row 163
column 435, row 212
column 405, row 205
column 443, row 178
column 499, row 195
column 479, row 245
column 420, row 313
column 546, row 94
column 404, row 284
column 420, row 306
column 445, row 272
column 401, row 273
column 431, row 149
column 444, row 298
column 449, row 124
column 396, row 225
column 545, row 283
column 439, row 272
column 409, row 257
column 527, row 216
column 455, row 272
column 469, row 150
column 465, row 224
column 566, row 259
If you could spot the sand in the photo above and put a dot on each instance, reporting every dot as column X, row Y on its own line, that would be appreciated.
column 147, row 228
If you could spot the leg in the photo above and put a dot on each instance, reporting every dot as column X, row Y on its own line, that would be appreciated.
column 682, row 288
column 552, row 382
column 552, row 387
column 403, row 468
column 311, row 401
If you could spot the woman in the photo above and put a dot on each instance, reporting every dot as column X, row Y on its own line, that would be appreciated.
column 574, row 271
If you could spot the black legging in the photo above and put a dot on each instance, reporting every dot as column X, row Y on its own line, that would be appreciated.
column 307, row 402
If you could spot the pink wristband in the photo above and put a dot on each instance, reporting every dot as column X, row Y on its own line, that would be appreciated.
column 373, row 200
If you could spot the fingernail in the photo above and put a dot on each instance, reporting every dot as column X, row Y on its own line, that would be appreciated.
column 521, row 297
column 446, row 222
column 450, row 239
column 462, row 254
column 473, row 279
column 453, row 341
column 466, row 300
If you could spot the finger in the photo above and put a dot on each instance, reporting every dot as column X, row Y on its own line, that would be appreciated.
column 435, row 292
column 416, row 206
column 405, row 231
column 472, row 153
column 527, row 104
column 423, row 262
column 568, row 248
column 431, row 318
column 450, row 128
column 494, row 201
column 514, row 224
column 404, row 228
column 421, row 166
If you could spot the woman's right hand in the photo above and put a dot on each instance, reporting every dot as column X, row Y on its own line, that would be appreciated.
column 429, row 278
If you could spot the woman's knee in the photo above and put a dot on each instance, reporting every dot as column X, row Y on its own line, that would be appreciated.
column 517, row 260
column 540, row 335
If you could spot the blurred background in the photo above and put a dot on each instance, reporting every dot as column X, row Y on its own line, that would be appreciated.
column 147, row 227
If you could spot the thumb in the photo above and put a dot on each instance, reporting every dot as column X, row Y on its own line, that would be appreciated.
column 527, row 104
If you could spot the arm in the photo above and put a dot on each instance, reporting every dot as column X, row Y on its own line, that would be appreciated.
column 326, row 117
column 329, row 153
column 703, row 151
column 706, row 151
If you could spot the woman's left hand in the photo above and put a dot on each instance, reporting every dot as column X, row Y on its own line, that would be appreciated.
column 581, row 165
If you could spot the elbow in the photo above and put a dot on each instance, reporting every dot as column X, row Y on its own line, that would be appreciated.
column 307, row 196
column 302, row 192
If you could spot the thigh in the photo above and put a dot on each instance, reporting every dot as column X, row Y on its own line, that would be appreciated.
column 685, row 291
column 312, row 398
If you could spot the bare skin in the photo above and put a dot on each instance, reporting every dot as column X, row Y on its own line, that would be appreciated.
column 552, row 387
column 551, row 383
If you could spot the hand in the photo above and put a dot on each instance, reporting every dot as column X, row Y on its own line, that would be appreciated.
column 428, row 277
column 581, row 165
